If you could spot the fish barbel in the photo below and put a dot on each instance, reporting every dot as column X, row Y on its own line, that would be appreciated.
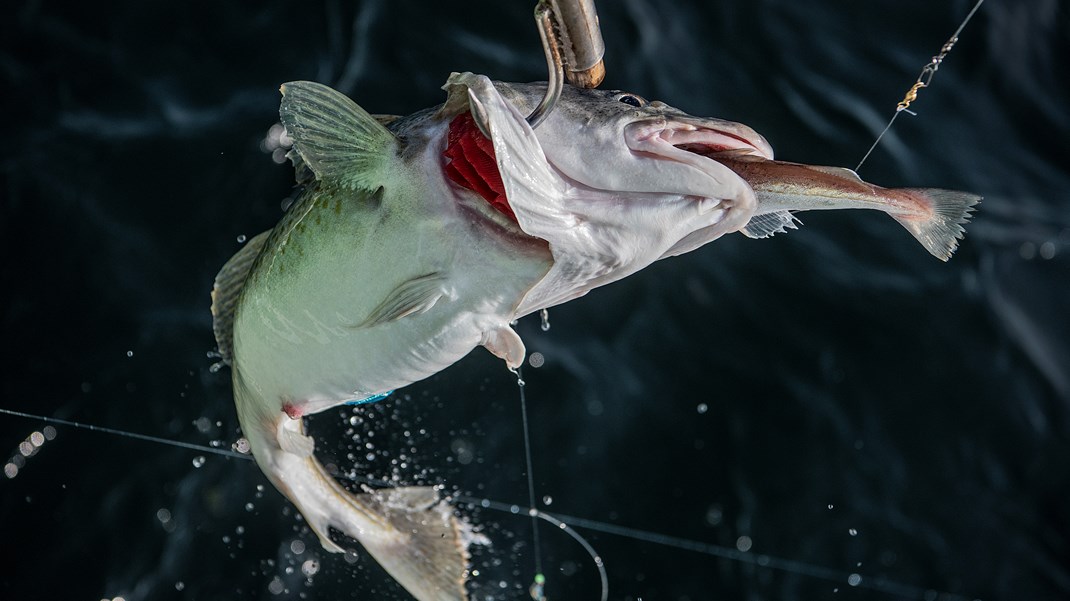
column 417, row 239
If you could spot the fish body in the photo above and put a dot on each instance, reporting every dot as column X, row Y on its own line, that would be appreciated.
column 933, row 216
column 415, row 242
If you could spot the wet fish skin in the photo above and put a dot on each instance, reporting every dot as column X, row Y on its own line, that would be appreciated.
column 386, row 270
column 935, row 217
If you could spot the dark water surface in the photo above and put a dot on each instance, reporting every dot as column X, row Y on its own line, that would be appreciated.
column 833, row 401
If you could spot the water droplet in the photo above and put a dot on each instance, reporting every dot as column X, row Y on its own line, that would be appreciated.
column 276, row 587
column 830, row 506
column 129, row 353
column 163, row 514
column 1047, row 250
column 241, row 238
column 241, row 446
column 702, row 408
column 11, row 470
column 180, row 585
column 198, row 461
column 297, row 547
column 744, row 543
column 50, row 433
column 1027, row 250
column 310, row 567
column 852, row 532
column 854, row 580
column 248, row 507
column 714, row 515
column 544, row 315
column 37, row 439
column 215, row 367
column 547, row 500
column 537, row 359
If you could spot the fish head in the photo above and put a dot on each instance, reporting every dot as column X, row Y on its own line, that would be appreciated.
column 619, row 141
column 611, row 181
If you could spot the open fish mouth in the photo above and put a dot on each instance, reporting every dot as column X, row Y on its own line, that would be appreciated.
column 693, row 142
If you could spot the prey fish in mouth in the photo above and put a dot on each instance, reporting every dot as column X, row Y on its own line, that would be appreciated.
column 414, row 242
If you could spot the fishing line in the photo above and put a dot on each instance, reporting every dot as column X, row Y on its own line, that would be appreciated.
column 157, row 439
column 923, row 81
column 537, row 585
column 566, row 524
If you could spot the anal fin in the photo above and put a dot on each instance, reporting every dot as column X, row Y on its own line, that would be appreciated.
column 767, row 224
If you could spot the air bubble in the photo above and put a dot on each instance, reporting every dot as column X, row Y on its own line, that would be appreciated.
column 702, row 408
column 310, row 567
column 129, row 353
column 547, row 500
column 241, row 238
column 852, row 532
column 198, row 461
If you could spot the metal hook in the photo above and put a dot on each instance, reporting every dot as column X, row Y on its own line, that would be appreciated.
column 570, row 35
column 545, row 19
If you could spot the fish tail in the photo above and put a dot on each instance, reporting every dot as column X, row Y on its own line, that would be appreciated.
column 940, row 229
column 410, row 531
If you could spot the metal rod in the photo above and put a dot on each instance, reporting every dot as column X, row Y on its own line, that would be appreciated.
column 545, row 19
column 581, row 42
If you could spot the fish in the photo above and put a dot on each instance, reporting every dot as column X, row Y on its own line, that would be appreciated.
column 416, row 239
column 935, row 217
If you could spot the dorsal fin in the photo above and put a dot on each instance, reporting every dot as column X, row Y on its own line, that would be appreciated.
column 227, row 288
column 843, row 172
column 338, row 140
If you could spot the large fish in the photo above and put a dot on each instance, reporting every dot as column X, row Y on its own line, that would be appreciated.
column 417, row 241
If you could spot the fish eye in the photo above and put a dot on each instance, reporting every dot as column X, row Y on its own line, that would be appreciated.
column 631, row 100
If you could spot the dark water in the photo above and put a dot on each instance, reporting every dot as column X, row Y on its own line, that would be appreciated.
column 834, row 401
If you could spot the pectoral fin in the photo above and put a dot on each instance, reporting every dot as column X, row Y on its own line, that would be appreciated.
column 411, row 297
column 505, row 344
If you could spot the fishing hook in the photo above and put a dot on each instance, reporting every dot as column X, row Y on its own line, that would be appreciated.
column 570, row 36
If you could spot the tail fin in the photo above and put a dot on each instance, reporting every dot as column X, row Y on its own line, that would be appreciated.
column 940, row 233
column 410, row 531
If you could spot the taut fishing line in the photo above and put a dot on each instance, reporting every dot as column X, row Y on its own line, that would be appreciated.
column 566, row 523
column 923, row 81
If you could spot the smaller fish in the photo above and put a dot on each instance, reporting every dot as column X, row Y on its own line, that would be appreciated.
column 935, row 217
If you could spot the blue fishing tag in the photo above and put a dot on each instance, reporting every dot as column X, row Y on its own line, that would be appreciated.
column 373, row 398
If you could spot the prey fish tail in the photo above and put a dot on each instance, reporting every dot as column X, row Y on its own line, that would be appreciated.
column 933, row 216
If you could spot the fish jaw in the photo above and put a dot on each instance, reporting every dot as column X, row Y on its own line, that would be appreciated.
column 609, row 189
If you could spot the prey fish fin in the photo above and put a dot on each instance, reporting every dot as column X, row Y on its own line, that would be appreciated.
column 410, row 297
column 939, row 233
column 337, row 139
column 767, row 224
column 227, row 289
column 836, row 171
column 505, row 343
